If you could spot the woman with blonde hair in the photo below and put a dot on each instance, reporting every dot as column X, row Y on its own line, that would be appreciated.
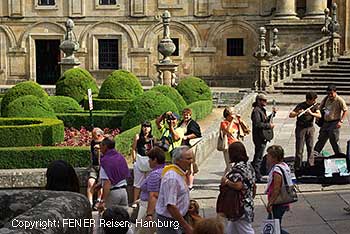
column 209, row 226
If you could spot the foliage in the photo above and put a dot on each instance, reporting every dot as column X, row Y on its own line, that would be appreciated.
column 62, row 104
column 101, row 119
column 30, row 106
column 74, row 83
column 194, row 89
column 17, row 132
column 147, row 107
column 120, row 84
column 20, row 90
column 201, row 109
column 40, row 157
column 171, row 93
column 108, row 104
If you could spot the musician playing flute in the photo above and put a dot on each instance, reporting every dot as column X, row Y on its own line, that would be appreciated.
column 305, row 113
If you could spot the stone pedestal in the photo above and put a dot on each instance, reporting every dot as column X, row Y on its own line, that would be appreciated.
column 262, row 82
column 285, row 9
column 315, row 9
column 166, row 73
column 68, row 63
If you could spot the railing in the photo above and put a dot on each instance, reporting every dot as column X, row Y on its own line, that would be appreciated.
column 288, row 66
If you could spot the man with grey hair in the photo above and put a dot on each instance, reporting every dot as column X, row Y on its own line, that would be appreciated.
column 174, row 197
column 94, row 168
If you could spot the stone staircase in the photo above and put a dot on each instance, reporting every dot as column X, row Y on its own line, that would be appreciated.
column 317, row 79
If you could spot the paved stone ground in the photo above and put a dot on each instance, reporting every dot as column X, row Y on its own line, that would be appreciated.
column 319, row 209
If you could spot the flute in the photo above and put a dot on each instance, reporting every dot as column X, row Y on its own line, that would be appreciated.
column 304, row 111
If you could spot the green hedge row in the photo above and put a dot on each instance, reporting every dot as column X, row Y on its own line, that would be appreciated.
column 201, row 109
column 101, row 119
column 40, row 157
column 17, row 132
column 108, row 104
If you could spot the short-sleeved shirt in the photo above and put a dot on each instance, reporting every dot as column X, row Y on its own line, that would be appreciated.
column 166, row 132
column 103, row 177
column 94, row 153
column 151, row 183
column 334, row 108
column 173, row 191
column 234, row 131
column 306, row 120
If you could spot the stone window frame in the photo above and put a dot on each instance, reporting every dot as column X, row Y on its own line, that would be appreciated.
column 99, row 6
column 117, row 53
column 233, row 4
column 94, row 56
column 177, row 47
column 45, row 7
column 178, row 5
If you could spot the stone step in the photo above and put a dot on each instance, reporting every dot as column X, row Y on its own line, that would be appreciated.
column 297, row 82
column 326, row 74
column 303, row 91
column 345, row 62
column 336, row 66
column 312, row 87
column 331, row 70
column 320, row 79
column 344, row 58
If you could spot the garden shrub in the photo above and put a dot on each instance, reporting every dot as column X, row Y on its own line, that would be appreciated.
column 40, row 157
column 30, row 106
column 147, row 107
column 63, row 104
column 201, row 109
column 101, row 119
column 171, row 93
column 75, row 83
column 120, row 84
column 108, row 104
column 17, row 132
column 194, row 89
column 20, row 90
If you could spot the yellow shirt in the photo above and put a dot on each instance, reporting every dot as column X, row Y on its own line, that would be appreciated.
column 165, row 132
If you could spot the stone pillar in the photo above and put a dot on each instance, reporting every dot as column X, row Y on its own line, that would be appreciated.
column 315, row 9
column 285, row 9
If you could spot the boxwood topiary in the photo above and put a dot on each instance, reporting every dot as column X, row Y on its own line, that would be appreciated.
column 74, row 83
column 62, row 104
column 108, row 104
column 171, row 93
column 147, row 107
column 120, row 84
column 20, row 90
column 30, row 106
column 194, row 89
column 201, row 109
column 30, row 131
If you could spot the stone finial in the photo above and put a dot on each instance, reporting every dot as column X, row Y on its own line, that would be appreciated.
column 331, row 24
column 69, row 46
column 166, row 46
column 261, row 52
column 275, row 49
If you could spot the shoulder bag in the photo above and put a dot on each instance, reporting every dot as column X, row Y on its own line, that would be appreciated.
column 288, row 194
column 230, row 203
column 222, row 141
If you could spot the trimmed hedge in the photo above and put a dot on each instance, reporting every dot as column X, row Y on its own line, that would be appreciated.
column 120, row 84
column 194, row 89
column 62, row 104
column 40, row 157
column 201, row 109
column 17, row 132
column 108, row 104
column 20, row 90
column 31, row 107
column 147, row 107
column 171, row 93
column 74, row 83
column 101, row 119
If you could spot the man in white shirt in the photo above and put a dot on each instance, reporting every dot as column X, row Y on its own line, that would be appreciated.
column 174, row 198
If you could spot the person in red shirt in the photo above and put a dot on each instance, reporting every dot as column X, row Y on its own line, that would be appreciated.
column 230, row 127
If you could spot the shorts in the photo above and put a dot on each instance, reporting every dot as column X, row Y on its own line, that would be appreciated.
column 94, row 172
column 139, row 177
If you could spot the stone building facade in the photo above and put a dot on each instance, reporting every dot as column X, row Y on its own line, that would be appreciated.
column 216, row 39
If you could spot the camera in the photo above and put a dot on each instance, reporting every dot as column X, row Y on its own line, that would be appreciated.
column 170, row 117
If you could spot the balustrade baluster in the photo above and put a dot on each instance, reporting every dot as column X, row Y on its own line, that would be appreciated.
column 307, row 59
column 296, row 63
column 313, row 57
column 284, row 69
column 278, row 73
column 290, row 64
column 301, row 63
column 319, row 52
column 272, row 75
column 324, row 52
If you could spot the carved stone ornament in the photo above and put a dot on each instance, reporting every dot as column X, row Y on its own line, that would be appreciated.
column 69, row 46
column 166, row 46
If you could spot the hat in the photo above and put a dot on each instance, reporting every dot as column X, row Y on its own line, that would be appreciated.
column 261, row 96
column 146, row 124
column 176, row 115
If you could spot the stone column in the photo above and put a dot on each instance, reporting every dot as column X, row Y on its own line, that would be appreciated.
column 285, row 9
column 315, row 9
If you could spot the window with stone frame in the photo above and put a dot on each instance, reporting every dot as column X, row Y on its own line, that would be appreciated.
column 108, row 53
column 176, row 43
column 108, row 2
column 235, row 47
column 46, row 2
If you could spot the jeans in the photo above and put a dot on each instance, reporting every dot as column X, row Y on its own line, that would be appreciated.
column 260, row 146
column 277, row 213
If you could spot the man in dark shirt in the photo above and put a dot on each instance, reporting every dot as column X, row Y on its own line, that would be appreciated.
column 260, row 122
column 304, row 130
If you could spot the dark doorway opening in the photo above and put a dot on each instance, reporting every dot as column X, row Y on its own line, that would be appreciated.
column 48, row 55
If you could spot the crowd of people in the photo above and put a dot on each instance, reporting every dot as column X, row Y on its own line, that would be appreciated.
column 164, row 168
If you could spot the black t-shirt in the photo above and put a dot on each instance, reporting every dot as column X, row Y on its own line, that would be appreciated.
column 144, row 146
column 94, row 153
column 306, row 120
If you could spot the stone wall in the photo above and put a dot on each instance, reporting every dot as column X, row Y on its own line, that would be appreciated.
column 44, row 212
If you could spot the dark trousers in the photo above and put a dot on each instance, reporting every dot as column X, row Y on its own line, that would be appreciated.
column 328, row 131
column 302, row 136
column 277, row 213
column 260, row 145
